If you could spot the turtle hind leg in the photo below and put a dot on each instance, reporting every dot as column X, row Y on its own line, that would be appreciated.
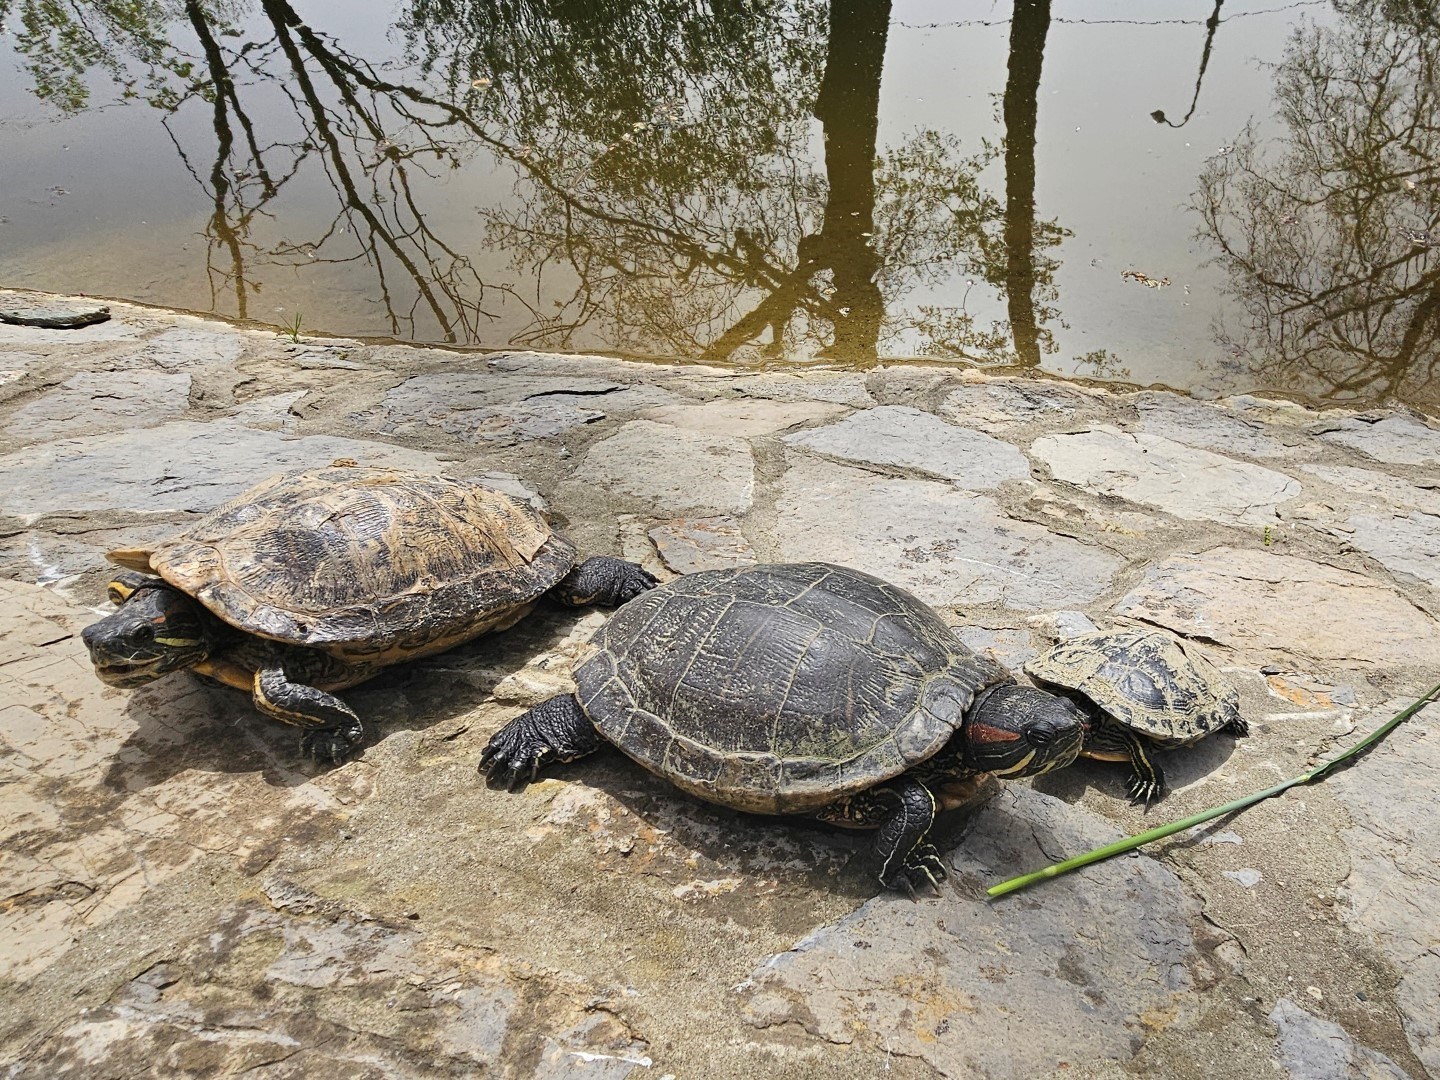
column 332, row 730
column 1238, row 727
column 554, row 730
column 603, row 580
column 903, row 811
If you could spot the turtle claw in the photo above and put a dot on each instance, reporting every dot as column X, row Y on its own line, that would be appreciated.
column 1143, row 790
column 513, row 760
column 332, row 746
column 922, row 867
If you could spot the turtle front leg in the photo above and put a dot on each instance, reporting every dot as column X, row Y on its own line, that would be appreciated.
column 554, row 730
column 1109, row 741
column 332, row 728
column 903, row 811
column 603, row 580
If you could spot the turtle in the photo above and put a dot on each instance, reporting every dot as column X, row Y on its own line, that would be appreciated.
column 1138, row 688
column 313, row 581
column 802, row 689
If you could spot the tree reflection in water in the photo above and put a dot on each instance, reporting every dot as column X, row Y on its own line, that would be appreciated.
column 1331, row 238
column 667, row 197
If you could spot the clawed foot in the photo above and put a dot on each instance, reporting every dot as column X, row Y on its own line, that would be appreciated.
column 514, row 757
column 1144, row 789
column 605, row 580
column 922, row 867
column 332, row 746
column 1239, row 727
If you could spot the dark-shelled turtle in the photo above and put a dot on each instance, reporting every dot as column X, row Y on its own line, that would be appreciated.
column 1140, row 687
column 798, row 688
column 313, row 581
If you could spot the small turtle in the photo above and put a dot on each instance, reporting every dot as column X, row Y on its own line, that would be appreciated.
column 799, row 688
column 1140, row 687
column 314, row 581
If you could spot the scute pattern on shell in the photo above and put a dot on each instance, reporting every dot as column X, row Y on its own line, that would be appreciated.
column 777, row 688
column 1147, row 680
column 368, row 564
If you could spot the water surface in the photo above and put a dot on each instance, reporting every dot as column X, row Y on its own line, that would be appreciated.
column 1217, row 195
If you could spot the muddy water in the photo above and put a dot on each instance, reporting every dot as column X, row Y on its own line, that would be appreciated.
column 1220, row 196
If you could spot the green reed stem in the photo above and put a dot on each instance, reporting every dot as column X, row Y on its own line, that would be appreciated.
column 1130, row 843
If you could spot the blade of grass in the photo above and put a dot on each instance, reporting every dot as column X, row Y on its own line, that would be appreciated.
column 1130, row 843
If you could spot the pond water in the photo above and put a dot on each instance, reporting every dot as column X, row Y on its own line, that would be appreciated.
column 1217, row 195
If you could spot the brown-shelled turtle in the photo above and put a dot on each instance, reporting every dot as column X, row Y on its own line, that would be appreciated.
column 1139, row 688
column 798, row 688
column 313, row 581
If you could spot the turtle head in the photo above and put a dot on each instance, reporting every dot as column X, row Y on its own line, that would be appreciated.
column 157, row 629
column 1021, row 731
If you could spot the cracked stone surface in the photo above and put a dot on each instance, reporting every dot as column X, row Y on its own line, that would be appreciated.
column 1184, row 481
column 182, row 895
column 1091, row 966
column 1269, row 607
column 1308, row 1048
column 91, row 402
column 1399, row 440
column 673, row 468
column 949, row 547
column 911, row 439
column 50, row 314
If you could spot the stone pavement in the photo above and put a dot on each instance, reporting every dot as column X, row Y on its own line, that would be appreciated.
column 182, row 895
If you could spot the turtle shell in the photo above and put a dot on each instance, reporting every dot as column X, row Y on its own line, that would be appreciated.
column 1149, row 681
column 370, row 565
column 777, row 688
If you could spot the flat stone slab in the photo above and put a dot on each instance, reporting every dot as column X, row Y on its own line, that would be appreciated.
column 1403, row 544
column 1393, row 891
column 674, row 469
column 182, row 465
column 688, row 545
column 1398, row 440
column 1267, row 606
column 1308, row 1048
column 949, row 546
column 489, row 406
column 1380, row 489
column 1196, row 423
column 907, row 438
column 745, row 417
column 1182, row 480
column 1004, row 402
column 1080, row 970
column 92, row 402
column 187, row 347
column 97, row 803
column 51, row 314
column 837, row 387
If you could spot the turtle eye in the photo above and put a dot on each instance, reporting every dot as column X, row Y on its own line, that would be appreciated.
column 144, row 634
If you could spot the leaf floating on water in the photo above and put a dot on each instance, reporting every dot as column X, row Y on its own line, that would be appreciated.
column 481, row 83
column 1419, row 237
column 1146, row 280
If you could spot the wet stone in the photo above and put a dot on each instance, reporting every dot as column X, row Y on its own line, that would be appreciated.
column 1309, row 1048
column 1185, row 481
column 51, row 314
column 182, row 465
column 93, row 402
column 1077, row 972
column 674, row 469
column 1398, row 440
column 949, row 546
column 1393, row 891
column 907, row 438
column 1213, row 427
column 1270, row 607
column 688, row 545
column 1407, row 544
